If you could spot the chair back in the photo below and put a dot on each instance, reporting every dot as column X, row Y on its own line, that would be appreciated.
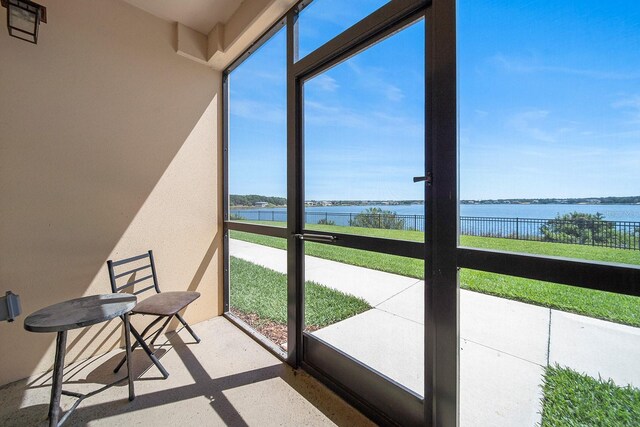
column 124, row 274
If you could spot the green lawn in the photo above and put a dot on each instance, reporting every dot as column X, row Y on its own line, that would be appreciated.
column 618, row 308
column 573, row 399
column 261, row 291
column 592, row 253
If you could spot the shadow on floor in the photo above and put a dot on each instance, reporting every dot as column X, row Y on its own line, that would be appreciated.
column 227, row 379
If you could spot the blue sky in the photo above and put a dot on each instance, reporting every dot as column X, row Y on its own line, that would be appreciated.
column 549, row 105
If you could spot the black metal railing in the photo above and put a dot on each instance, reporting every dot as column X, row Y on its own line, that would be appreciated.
column 610, row 234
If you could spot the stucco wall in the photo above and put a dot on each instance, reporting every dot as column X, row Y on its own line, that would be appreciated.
column 109, row 146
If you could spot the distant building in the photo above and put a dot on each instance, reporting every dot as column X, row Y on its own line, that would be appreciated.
column 261, row 204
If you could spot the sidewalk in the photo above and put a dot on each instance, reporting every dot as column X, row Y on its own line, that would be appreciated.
column 504, row 344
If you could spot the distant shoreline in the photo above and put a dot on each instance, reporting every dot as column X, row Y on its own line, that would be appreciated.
column 272, row 202
column 462, row 202
column 631, row 200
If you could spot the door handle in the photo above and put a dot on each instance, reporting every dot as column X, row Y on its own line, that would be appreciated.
column 316, row 237
column 428, row 179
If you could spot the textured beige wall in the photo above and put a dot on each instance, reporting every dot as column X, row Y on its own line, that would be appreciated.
column 109, row 146
column 191, row 44
column 252, row 19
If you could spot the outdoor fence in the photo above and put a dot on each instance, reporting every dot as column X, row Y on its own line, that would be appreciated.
column 610, row 234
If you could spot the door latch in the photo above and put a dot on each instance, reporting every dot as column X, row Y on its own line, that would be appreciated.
column 428, row 179
column 316, row 237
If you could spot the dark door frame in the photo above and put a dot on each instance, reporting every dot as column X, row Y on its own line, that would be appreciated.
column 379, row 397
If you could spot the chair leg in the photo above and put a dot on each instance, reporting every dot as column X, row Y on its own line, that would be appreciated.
column 152, row 356
column 138, row 342
column 124, row 359
column 164, row 325
column 150, row 325
column 186, row 325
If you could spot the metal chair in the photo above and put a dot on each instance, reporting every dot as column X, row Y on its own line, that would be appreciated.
column 164, row 305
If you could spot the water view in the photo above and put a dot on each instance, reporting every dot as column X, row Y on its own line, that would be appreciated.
column 610, row 212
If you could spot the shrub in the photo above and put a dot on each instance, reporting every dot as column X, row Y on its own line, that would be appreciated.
column 324, row 221
column 377, row 218
column 580, row 228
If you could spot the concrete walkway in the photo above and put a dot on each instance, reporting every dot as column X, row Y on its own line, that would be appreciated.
column 504, row 345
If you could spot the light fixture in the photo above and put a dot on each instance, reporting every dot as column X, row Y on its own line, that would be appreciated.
column 10, row 306
column 23, row 18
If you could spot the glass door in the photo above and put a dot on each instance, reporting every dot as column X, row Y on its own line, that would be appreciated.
column 363, row 224
column 328, row 271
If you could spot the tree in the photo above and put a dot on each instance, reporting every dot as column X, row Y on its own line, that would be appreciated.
column 580, row 228
column 377, row 218
column 252, row 199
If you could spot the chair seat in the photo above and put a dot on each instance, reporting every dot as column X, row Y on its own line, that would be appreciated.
column 166, row 303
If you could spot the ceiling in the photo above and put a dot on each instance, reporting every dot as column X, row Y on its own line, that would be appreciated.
column 201, row 15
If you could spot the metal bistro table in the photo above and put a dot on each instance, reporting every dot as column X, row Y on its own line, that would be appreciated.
column 73, row 314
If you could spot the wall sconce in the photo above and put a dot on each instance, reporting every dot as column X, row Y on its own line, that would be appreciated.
column 23, row 18
column 10, row 307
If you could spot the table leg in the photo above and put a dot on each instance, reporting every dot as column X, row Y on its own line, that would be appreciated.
column 56, row 388
column 127, row 340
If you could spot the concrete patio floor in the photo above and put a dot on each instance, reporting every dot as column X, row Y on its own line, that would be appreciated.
column 227, row 379
column 504, row 345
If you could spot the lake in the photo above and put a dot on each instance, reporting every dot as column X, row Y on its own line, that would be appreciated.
column 610, row 212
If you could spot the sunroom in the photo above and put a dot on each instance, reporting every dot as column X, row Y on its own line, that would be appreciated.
column 396, row 212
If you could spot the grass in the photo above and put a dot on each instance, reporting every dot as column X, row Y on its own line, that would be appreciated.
column 591, row 253
column 391, row 263
column 261, row 291
column 603, row 305
column 572, row 399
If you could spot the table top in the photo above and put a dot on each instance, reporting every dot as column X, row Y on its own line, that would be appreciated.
column 79, row 312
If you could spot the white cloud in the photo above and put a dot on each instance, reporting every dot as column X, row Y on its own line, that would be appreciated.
column 531, row 65
column 371, row 78
column 381, row 122
column 631, row 105
column 394, row 93
column 256, row 110
column 324, row 82
column 530, row 123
